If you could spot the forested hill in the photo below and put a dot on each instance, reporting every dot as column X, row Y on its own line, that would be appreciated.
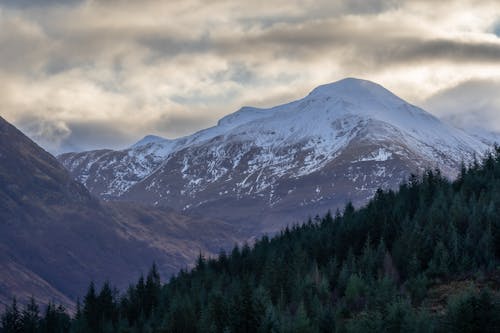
column 387, row 267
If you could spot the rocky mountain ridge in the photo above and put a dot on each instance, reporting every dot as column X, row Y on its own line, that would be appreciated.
column 339, row 143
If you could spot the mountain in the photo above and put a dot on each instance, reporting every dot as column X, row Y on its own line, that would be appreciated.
column 422, row 259
column 488, row 137
column 55, row 237
column 149, row 139
column 264, row 168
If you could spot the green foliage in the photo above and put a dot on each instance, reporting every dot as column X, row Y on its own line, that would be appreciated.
column 366, row 270
column 11, row 319
column 473, row 311
column 56, row 320
column 30, row 317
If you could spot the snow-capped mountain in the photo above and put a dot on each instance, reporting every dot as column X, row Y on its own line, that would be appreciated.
column 339, row 143
column 490, row 138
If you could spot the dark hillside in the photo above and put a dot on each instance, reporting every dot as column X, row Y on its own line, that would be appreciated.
column 423, row 259
column 55, row 237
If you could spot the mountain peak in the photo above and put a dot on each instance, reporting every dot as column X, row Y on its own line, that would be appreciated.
column 366, row 95
column 348, row 83
column 147, row 140
column 356, row 90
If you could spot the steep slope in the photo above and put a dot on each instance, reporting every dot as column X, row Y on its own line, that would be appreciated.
column 265, row 166
column 55, row 237
column 488, row 137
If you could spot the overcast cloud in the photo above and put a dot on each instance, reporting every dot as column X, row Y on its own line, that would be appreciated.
column 91, row 74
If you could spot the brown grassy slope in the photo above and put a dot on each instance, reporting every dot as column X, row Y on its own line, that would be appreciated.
column 55, row 237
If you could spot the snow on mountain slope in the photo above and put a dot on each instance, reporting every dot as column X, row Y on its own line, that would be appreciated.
column 488, row 137
column 340, row 142
column 149, row 139
column 109, row 173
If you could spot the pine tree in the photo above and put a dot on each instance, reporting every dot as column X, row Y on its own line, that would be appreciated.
column 439, row 266
column 11, row 319
column 50, row 321
column 91, row 313
column 152, row 289
column 106, row 307
column 301, row 322
column 218, row 312
column 30, row 317
column 473, row 312
column 245, row 318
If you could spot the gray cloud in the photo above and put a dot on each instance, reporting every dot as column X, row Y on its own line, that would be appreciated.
column 24, row 47
column 444, row 50
column 496, row 29
column 179, row 125
column 339, row 38
column 45, row 132
column 471, row 104
column 95, row 135
column 75, row 74
column 324, row 9
column 61, row 137
column 37, row 3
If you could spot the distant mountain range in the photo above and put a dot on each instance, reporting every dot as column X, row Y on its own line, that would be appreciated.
column 261, row 169
column 55, row 237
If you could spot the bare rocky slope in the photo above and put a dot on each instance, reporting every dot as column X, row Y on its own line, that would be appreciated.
column 55, row 237
column 264, row 168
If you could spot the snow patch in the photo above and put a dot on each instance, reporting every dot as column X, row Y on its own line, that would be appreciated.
column 379, row 155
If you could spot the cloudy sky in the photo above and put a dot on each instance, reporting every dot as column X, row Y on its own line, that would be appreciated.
column 89, row 74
